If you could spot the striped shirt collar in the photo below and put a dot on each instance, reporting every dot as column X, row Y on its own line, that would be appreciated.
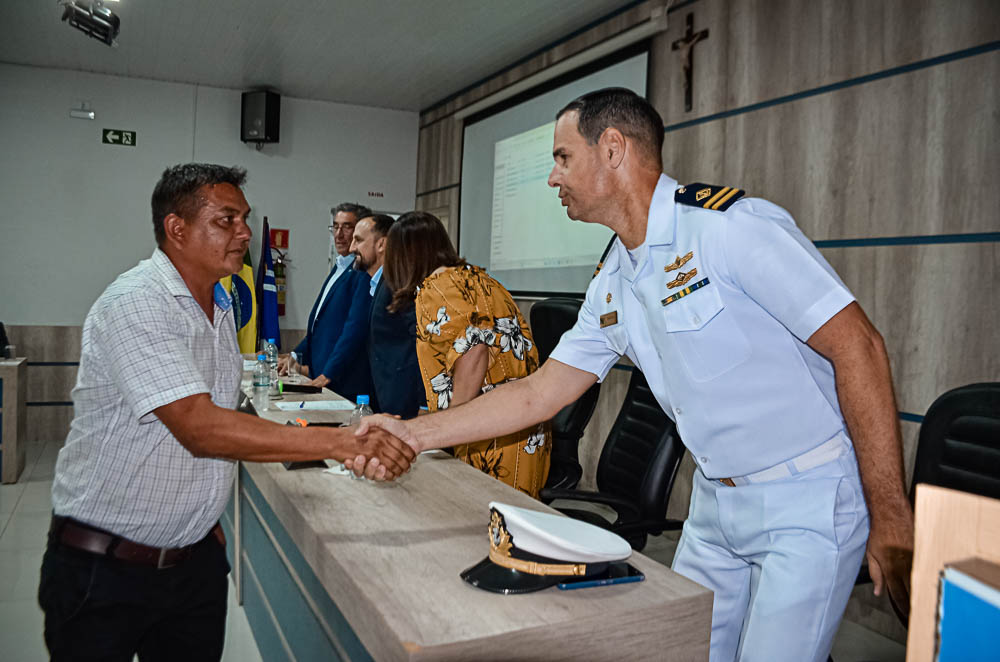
column 169, row 276
column 174, row 283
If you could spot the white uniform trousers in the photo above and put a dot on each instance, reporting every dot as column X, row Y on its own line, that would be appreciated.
column 781, row 557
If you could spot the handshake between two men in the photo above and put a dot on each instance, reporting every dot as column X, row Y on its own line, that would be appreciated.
column 378, row 453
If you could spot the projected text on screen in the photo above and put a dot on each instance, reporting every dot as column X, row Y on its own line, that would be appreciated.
column 529, row 224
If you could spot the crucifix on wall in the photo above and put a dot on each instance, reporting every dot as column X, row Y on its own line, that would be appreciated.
column 686, row 46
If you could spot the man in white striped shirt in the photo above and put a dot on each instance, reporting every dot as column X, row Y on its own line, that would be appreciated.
column 136, row 560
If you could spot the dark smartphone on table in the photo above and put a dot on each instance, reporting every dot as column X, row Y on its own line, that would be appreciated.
column 616, row 573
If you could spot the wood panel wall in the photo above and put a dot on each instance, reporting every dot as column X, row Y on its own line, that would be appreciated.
column 874, row 123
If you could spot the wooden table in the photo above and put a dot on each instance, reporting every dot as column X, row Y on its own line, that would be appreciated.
column 950, row 526
column 335, row 568
column 13, row 373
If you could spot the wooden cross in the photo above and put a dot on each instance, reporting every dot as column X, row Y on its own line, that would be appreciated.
column 686, row 47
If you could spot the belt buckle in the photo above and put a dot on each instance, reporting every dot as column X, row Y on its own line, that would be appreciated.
column 160, row 565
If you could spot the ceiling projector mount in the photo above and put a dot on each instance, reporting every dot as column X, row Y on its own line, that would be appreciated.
column 93, row 19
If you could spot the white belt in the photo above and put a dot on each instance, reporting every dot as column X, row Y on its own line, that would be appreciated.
column 825, row 452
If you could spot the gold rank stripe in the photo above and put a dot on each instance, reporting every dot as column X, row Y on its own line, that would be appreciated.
column 683, row 293
column 721, row 202
column 718, row 194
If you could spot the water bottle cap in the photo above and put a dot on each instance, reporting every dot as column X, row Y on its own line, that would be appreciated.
column 261, row 357
column 270, row 340
column 363, row 399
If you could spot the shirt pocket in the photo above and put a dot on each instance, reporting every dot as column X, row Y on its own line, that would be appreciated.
column 705, row 334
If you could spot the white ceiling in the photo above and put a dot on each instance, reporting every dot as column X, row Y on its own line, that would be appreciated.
column 406, row 54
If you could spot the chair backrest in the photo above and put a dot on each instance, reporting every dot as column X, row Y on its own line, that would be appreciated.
column 641, row 455
column 550, row 319
column 959, row 443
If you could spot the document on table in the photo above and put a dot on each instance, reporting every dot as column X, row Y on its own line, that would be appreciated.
column 316, row 405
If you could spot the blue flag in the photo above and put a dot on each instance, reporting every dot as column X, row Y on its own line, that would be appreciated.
column 267, row 292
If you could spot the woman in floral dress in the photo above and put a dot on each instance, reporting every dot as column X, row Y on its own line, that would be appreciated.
column 471, row 338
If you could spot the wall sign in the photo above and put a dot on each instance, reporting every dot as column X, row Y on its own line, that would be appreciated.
column 118, row 137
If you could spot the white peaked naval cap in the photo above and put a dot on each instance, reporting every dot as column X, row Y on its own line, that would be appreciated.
column 561, row 538
column 532, row 550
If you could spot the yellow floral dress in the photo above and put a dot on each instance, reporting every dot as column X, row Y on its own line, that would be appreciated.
column 457, row 309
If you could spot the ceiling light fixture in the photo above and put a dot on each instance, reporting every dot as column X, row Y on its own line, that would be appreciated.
column 93, row 19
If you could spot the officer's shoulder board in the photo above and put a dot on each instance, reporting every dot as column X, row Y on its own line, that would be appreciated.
column 708, row 196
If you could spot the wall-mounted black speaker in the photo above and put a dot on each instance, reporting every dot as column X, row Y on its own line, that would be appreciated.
column 260, row 117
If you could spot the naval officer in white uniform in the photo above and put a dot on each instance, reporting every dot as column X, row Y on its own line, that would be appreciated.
column 778, row 383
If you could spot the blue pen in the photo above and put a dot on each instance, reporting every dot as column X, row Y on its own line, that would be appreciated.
column 302, row 404
column 602, row 582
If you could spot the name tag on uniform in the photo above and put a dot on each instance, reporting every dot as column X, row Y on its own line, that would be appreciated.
column 609, row 319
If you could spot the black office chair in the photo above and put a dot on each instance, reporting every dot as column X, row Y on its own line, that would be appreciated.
column 636, row 471
column 551, row 318
column 959, row 445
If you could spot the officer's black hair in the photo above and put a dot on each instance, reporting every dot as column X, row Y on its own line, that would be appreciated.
column 177, row 190
column 380, row 223
column 624, row 110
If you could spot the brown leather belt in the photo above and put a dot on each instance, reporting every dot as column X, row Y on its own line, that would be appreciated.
column 69, row 532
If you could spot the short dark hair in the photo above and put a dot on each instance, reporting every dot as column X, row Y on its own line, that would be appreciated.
column 177, row 190
column 380, row 223
column 624, row 110
column 416, row 245
column 359, row 210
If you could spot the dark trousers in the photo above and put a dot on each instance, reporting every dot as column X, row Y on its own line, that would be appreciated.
column 101, row 608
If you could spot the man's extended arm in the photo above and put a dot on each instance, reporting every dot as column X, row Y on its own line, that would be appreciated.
column 864, row 389
column 508, row 408
column 207, row 430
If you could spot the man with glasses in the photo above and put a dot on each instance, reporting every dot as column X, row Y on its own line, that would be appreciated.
column 333, row 350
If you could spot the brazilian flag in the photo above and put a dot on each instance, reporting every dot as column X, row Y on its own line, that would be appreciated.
column 240, row 288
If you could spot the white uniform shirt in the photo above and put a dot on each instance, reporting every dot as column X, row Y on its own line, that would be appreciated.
column 147, row 343
column 726, row 359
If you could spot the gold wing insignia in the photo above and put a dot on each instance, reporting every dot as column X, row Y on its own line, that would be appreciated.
column 683, row 278
column 679, row 262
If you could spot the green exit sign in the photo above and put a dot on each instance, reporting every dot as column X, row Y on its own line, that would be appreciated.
column 118, row 137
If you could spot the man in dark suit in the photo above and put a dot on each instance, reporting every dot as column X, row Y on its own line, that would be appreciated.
column 392, row 337
column 333, row 350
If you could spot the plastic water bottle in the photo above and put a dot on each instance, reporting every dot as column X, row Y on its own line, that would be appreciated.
column 361, row 410
column 261, row 384
column 271, row 352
